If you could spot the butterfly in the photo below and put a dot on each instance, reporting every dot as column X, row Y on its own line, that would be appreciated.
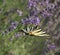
column 34, row 32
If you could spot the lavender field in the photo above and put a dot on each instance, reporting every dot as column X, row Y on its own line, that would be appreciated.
column 29, row 27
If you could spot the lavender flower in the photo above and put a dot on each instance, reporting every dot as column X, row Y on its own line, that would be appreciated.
column 32, row 3
column 17, row 35
column 34, row 21
column 51, row 6
column 13, row 26
column 26, row 21
column 44, row 5
column 33, row 13
column 46, row 13
column 19, row 12
column 51, row 46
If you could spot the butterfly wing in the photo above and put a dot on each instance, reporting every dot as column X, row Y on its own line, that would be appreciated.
column 39, row 33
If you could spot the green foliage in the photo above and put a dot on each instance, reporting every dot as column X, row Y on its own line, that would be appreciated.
column 24, row 45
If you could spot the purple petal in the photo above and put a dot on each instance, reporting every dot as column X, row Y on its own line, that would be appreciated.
column 17, row 35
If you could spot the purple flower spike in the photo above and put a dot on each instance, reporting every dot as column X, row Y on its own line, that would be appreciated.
column 31, row 13
column 51, row 6
column 17, row 35
column 46, row 14
column 26, row 21
column 23, row 21
column 13, row 26
column 44, row 3
column 51, row 47
column 30, row 3
column 36, row 21
column 19, row 12
column 47, row 2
